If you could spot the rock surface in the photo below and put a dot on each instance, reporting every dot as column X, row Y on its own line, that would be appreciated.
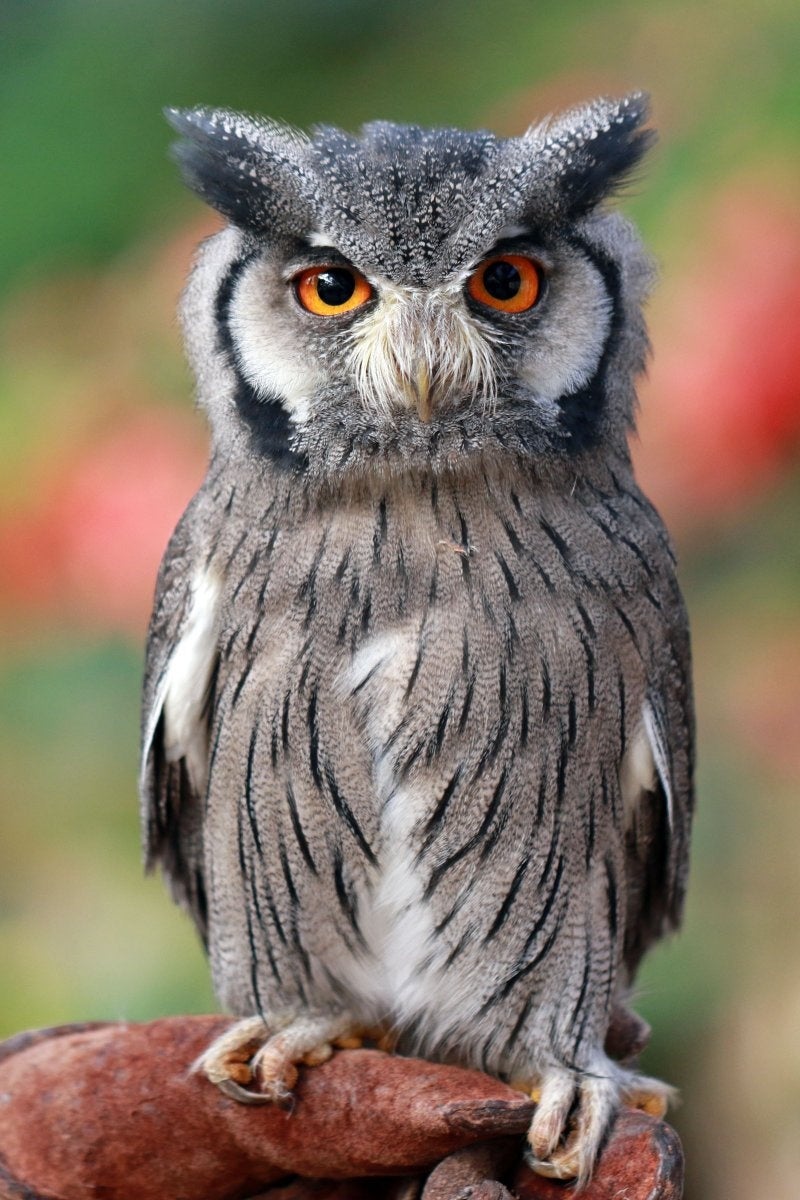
column 114, row 1112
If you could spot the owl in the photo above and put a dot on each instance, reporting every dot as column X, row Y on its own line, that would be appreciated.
column 417, row 735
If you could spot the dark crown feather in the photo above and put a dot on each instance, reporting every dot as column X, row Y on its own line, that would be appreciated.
column 231, row 161
column 594, row 149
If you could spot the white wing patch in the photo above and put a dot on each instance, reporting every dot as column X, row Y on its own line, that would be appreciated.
column 183, row 690
column 655, row 735
column 645, row 759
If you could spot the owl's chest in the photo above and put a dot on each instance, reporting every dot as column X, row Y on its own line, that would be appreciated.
column 432, row 566
column 405, row 625
column 416, row 627
column 410, row 669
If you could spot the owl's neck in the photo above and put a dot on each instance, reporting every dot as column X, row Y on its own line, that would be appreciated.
column 331, row 452
column 362, row 466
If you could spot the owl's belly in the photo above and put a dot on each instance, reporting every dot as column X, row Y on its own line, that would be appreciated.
column 470, row 852
column 428, row 796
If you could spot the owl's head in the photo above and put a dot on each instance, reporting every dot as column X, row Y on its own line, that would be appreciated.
column 410, row 297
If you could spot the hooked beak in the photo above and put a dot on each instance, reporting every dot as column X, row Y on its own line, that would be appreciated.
column 421, row 388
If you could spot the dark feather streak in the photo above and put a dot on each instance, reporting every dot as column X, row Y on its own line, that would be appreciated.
column 299, row 833
column 248, row 792
column 511, row 583
column 505, row 907
column 346, row 813
column 467, row 704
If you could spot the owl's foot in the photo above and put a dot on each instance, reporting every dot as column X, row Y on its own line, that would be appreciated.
column 650, row 1096
column 270, row 1055
column 574, row 1113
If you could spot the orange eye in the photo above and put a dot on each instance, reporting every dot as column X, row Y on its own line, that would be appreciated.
column 329, row 291
column 508, row 282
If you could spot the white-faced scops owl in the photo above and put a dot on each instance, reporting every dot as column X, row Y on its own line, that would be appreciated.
column 418, row 717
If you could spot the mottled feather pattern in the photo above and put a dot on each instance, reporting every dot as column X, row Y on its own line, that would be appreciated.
column 514, row 626
column 418, row 731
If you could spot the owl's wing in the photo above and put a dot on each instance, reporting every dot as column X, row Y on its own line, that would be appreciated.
column 180, row 673
column 657, row 785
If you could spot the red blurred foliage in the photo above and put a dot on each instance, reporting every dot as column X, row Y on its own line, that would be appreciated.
column 721, row 410
column 89, row 549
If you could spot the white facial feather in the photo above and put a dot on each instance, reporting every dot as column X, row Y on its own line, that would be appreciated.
column 266, row 348
column 564, row 352
column 412, row 331
column 416, row 334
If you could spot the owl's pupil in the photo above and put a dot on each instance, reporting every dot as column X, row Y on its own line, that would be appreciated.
column 502, row 280
column 335, row 286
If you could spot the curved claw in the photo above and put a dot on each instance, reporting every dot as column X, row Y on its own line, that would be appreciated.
column 235, row 1091
column 552, row 1170
column 575, row 1111
column 266, row 1055
column 573, row 1116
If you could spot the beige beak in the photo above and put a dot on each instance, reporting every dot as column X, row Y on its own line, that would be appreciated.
column 421, row 385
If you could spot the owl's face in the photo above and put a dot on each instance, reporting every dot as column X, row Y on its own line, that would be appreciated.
column 416, row 289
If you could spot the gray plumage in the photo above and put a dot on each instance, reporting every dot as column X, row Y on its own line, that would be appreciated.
column 417, row 717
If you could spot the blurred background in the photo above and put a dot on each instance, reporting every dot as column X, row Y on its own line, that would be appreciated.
column 100, row 449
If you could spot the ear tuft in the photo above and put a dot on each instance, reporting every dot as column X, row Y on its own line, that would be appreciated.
column 595, row 148
column 230, row 160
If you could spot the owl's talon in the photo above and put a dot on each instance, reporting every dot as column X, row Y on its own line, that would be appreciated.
column 350, row 1042
column 649, row 1096
column 267, row 1056
column 575, row 1110
column 556, row 1095
column 234, row 1091
column 551, row 1169
column 573, row 1115
column 319, row 1055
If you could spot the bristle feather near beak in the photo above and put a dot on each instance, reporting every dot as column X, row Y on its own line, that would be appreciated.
column 422, row 391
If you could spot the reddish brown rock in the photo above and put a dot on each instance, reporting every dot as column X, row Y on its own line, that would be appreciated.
column 642, row 1161
column 114, row 1112
column 474, row 1172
